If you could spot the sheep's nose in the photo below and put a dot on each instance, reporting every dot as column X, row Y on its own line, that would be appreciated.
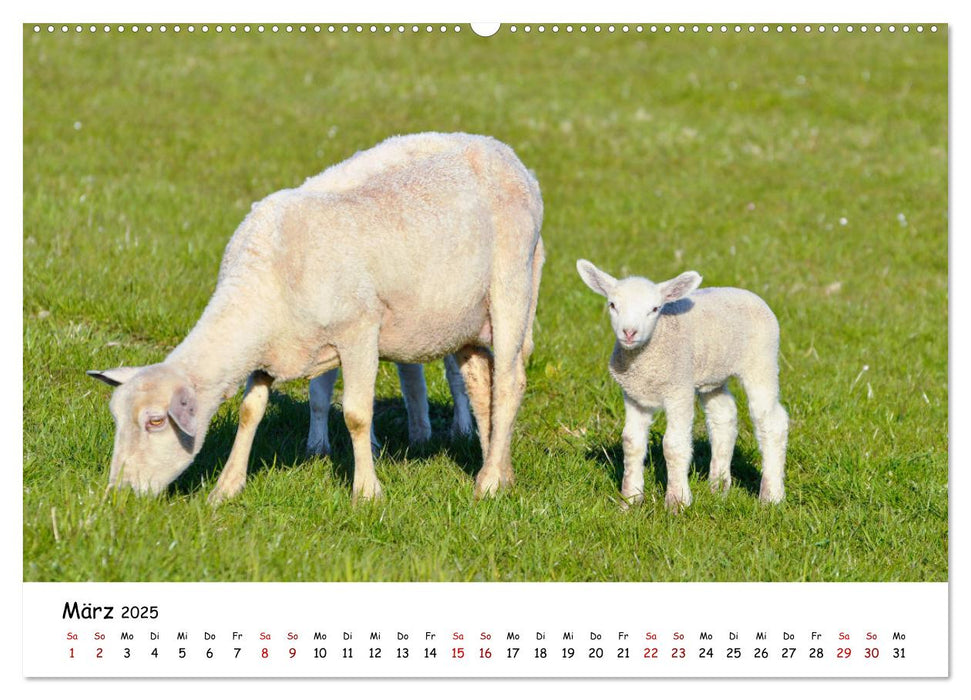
column 629, row 334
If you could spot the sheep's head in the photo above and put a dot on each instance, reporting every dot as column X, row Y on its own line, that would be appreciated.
column 156, row 427
column 635, row 303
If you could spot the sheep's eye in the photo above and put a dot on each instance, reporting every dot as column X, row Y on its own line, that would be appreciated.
column 654, row 310
column 611, row 306
column 156, row 422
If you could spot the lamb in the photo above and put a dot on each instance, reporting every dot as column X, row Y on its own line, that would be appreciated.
column 673, row 342
column 422, row 246
column 415, row 394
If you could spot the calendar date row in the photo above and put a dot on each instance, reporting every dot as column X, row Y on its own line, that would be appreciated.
column 462, row 652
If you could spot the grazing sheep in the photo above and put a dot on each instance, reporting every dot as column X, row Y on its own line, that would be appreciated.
column 423, row 246
column 415, row 394
column 673, row 342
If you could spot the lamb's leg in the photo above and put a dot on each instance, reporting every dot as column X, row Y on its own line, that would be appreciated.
column 321, row 392
column 637, row 424
column 772, row 431
column 251, row 411
column 475, row 364
column 461, row 413
column 721, row 417
column 677, row 451
column 415, row 394
column 360, row 366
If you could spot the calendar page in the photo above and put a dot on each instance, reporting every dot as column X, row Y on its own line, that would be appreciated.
column 551, row 350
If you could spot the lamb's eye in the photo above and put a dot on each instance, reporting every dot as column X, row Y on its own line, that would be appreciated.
column 611, row 306
column 654, row 310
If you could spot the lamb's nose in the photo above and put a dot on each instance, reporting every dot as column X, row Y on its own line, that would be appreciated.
column 629, row 334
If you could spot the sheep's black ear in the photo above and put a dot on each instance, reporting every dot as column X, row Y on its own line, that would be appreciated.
column 598, row 280
column 114, row 377
column 679, row 287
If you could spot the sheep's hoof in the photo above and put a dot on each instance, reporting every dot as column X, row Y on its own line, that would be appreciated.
column 488, row 483
column 629, row 501
column 224, row 492
column 367, row 492
column 721, row 484
column 771, row 494
column 676, row 502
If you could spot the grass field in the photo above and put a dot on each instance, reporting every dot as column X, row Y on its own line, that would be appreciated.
column 811, row 169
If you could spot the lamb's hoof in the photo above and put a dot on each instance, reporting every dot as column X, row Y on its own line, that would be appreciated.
column 367, row 492
column 224, row 492
column 676, row 502
column 375, row 449
column 772, row 494
column 460, row 429
column 628, row 501
column 721, row 485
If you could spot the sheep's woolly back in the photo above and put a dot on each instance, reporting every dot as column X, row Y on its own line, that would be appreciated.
column 400, row 153
column 391, row 154
column 700, row 342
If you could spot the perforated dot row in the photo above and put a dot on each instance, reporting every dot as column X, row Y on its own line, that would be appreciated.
column 248, row 28
column 428, row 28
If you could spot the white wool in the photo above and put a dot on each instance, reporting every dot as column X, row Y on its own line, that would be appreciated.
column 673, row 343
column 424, row 246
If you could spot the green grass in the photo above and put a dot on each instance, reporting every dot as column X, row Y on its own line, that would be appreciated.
column 810, row 169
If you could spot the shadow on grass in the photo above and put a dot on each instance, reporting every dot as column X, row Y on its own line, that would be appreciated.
column 611, row 458
column 281, row 440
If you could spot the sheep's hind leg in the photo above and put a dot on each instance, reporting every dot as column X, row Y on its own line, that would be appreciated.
column 360, row 367
column 251, row 411
column 415, row 393
column 721, row 417
column 508, row 387
column 475, row 363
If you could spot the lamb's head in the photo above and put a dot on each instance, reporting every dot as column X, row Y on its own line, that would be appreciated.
column 635, row 302
column 157, row 432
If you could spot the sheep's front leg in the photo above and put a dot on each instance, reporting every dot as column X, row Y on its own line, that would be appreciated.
column 251, row 411
column 359, row 362
column 677, row 450
column 637, row 424
column 415, row 393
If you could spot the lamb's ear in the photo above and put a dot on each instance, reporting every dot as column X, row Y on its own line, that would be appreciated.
column 679, row 287
column 598, row 280
column 114, row 377
column 182, row 409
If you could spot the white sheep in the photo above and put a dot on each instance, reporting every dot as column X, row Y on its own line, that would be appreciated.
column 413, row 391
column 423, row 246
column 674, row 342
